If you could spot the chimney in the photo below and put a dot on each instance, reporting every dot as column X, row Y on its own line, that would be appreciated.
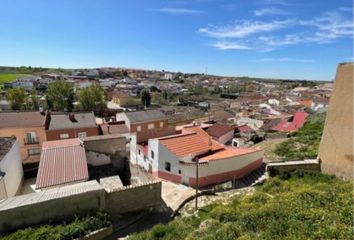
column 47, row 120
column 72, row 117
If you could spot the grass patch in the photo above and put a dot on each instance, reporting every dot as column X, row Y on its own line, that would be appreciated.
column 11, row 77
column 309, row 206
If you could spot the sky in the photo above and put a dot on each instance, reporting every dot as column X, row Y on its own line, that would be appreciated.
column 293, row 39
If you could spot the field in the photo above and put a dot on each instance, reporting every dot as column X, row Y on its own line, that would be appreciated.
column 10, row 77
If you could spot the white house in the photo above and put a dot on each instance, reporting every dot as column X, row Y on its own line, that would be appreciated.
column 174, row 158
column 11, row 172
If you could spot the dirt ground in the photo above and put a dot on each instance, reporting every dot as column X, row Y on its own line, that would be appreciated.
column 268, row 146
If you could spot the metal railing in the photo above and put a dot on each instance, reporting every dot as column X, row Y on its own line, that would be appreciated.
column 33, row 140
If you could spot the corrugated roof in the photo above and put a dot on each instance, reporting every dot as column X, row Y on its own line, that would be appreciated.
column 62, row 121
column 21, row 119
column 145, row 116
column 62, row 161
column 218, row 130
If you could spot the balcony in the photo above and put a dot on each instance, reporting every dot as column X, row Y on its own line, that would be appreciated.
column 32, row 140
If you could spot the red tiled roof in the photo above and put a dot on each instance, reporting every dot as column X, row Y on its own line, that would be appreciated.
column 218, row 130
column 193, row 141
column 21, row 119
column 62, row 161
column 298, row 122
column 305, row 102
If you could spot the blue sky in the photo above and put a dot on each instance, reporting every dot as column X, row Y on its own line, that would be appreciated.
column 298, row 39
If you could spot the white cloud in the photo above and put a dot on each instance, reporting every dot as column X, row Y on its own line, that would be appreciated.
column 243, row 28
column 230, row 45
column 269, row 11
column 266, row 35
column 286, row 60
column 178, row 11
column 276, row 2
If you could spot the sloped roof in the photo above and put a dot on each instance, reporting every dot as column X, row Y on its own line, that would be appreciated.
column 145, row 116
column 62, row 121
column 229, row 152
column 114, row 128
column 218, row 130
column 298, row 121
column 193, row 141
column 21, row 119
column 62, row 162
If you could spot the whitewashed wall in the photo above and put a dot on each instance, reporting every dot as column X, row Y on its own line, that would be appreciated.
column 11, row 164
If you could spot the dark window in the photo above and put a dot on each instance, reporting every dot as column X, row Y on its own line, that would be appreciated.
column 168, row 166
column 152, row 154
column 179, row 171
column 139, row 151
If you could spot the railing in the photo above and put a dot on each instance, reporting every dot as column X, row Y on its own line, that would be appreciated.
column 33, row 140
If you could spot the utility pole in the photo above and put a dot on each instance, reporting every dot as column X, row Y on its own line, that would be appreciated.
column 197, row 182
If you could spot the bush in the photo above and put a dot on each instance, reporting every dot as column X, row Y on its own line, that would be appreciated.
column 64, row 231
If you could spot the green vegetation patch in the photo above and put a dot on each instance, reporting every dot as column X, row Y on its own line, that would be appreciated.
column 304, row 206
column 11, row 77
column 305, row 143
column 74, row 229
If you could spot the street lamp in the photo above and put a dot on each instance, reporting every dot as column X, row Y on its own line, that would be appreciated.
column 196, row 181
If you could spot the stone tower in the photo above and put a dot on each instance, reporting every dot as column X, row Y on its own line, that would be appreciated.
column 336, row 148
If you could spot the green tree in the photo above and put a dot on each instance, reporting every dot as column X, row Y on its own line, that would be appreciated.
column 17, row 97
column 145, row 97
column 34, row 100
column 92, row 98
column 60, row 96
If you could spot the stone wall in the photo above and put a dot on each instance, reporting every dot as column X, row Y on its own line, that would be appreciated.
column 336, row 148
column 133, row 198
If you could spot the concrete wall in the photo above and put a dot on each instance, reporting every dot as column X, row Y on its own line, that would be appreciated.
column 134, row 198
column 20, row 134
column 50, row 205
column 64, row 202
column 106, row 144
column 11, row 165
column 336, row 148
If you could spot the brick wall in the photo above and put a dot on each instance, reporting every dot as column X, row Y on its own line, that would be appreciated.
column 144, row 126
column 73, row 133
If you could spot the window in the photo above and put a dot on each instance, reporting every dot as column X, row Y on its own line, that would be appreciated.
column 161, row 124
column 31, row 138
column 34, row 151
column 138, row 128
column 168, row 166
column 179, row 171
column 151, row 126
column 139, row 152
column 81, row 134
column 152, row 154
column 64, row 135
